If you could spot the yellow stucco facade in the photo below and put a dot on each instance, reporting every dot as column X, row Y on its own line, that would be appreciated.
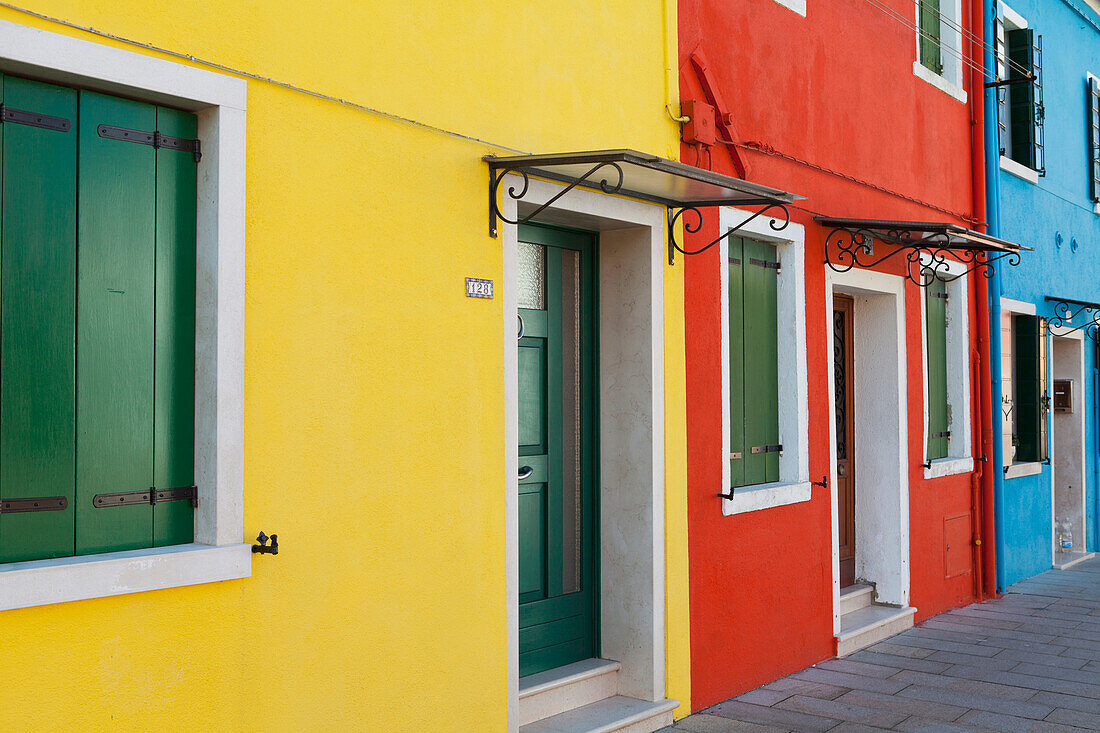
column 374, row 391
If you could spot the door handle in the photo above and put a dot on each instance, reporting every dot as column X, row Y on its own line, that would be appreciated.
column 841, row 471
column 525, row 472
column 520, row 327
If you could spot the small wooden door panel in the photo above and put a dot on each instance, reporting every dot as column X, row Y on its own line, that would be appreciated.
column 845, row 437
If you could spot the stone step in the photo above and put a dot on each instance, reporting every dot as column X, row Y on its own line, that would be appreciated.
column 616, row 714
column 855, row 597
column 867, row 626
column 575, row 685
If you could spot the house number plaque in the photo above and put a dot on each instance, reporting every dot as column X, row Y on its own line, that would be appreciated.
column 477, row 288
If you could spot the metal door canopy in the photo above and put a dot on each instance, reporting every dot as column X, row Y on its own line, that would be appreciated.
column 929, row 247
column 625, row 173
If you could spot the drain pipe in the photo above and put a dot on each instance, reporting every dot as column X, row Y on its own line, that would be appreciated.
column 994, row 483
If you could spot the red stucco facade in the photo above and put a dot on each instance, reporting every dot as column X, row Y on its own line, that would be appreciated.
column 836, row 90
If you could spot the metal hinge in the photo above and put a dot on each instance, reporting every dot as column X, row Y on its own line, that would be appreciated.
column 944, row 434
column 736, row 456
column 763, row 263
column 937, row 295
column 735, row 261
column 33, row 119
column 154, row 138
column 766, row 448
column 34, row 504
column 149, row 496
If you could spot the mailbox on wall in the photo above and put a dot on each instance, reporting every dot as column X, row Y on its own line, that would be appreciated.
column 1063, row 395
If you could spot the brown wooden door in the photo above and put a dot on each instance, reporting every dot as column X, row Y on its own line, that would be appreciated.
column 845, row 438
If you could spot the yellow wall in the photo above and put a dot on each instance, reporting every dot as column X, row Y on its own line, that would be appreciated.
column 374, row 395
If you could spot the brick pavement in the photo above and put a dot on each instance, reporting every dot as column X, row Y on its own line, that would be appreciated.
column 1029, row 661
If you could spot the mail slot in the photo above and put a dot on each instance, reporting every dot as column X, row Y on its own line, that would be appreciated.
column 1063, row 395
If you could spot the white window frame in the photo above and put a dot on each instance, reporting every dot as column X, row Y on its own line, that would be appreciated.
column 1009, row 309
column 951, row 80
column 798, row 6
column 1011, row 20
column 218, row 552
column 959, row 451
column 1089, row 76
column 793, row 485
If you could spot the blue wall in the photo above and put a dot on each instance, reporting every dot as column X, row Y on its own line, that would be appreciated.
column 1034, row 215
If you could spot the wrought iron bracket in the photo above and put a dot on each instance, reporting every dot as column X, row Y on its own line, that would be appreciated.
column 496, row 175
column 823, row 483
column 675, row 214
column 728, row 496
column 1066, row 310
column 927, row 258
column 263, row 548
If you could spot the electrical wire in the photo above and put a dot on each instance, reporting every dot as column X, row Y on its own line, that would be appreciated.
column 970, row 36
column 257, row 77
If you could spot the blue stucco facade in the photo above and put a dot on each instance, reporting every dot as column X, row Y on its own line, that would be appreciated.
column 1056, row 217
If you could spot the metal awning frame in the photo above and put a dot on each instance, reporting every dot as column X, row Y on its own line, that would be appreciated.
column 1066, row 309
column 929, row 248
column 606, row 175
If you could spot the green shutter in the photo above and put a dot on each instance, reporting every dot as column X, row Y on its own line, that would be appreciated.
column 1022, row 97
column 114, row 386
column 930, row 52
column 1094, row 138
column 761, row 363
column 935, row 321
column 174, row 380
column 1029, row 389
column 37, row 282
column 738, row 451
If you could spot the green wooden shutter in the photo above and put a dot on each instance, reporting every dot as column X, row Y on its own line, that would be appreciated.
column 761, row 363
column 930, row 51
column 114, row 386
column 174, row 376
column 738, row 450
column 1094, row 139
column 935, row 321
column 1029, row 389
column 38, row 285
column 1021, row 97
column 1044, row 394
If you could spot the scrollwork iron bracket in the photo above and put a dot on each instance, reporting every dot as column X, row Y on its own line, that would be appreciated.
column 496, row 176
column 675, row 214
column 1066, row 310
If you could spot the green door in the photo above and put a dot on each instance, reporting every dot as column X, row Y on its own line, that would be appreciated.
column 557, row 448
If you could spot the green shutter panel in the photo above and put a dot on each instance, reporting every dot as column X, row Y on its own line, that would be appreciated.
column 1094, row 139
column 930, row 52
column 1021, row 97
column 738, row 450
column 761, row 364
column 1044, row 394
column 935, row 321
column 37, row 289
column 1028, row 387
column 174, row 355
column 115, row 324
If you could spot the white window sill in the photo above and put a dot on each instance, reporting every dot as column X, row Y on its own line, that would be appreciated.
column 798, row 6
column 1017, row 470
column 949, row 467
column 923, row 72
column 1008, row 165
column 42, row 582
column 1096, row 209
column 765, row 496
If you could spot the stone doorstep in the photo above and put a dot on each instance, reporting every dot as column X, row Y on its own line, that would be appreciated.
column 558, row 690
column 616, row 714
column 855, row 597
column 869, row 625
column 1066, row 560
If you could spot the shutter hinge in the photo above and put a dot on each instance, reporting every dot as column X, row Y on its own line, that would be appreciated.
column 155, row 138
column 766, row 448
column 764, row 263
column 938, row 295
column 735, row 261
column 33, row 119
column 34, row 504
column 944, row 434
column 735, row 456
column 152, row 495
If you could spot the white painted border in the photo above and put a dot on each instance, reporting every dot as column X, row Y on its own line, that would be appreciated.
column 1018, row 306
column 632, row 258
column 219, row 102
column 798, row 6
column 951, row 80
column 923, row 73
column 892, row 590
column 1078, row 396
column 958, row 458
column 794, row 412
column 1021, row 171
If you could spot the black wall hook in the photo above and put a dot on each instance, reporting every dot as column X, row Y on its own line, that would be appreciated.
column 823, row 483
column 263, row 548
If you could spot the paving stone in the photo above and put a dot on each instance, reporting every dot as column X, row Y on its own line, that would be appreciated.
column 807, row 689
column 703, row 723
column 902, row 651
column 901, row 662
column 977, row 702
column 977, row 687
column 1090, row 721
column 1051, row 660
column 1025, row 646
column 1000, row 661
column 1076, row 675
column 925, row 725
column 1032, row 682
column 851, row 681
column 910, row 706
column 856, row 728
column 945, row 646
column 761, row 696
column 982, row 619
column 853, row 666
column 1034, row 637
column 843, row 711
column 1070, row 702
column 1011, row 724
column 788, row 719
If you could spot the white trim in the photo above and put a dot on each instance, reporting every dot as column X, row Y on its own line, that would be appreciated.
column 766, row 496
column 1016, row 470
column 798, row 6
column 1008, row 165
column 1012, row 18
column 219, row 102
column 953, row 90
column 949, row 467
column 632, row 256
column 1018, row 306
column 794, row 411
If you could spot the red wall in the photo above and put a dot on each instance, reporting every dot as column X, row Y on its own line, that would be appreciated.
column 835, row 89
